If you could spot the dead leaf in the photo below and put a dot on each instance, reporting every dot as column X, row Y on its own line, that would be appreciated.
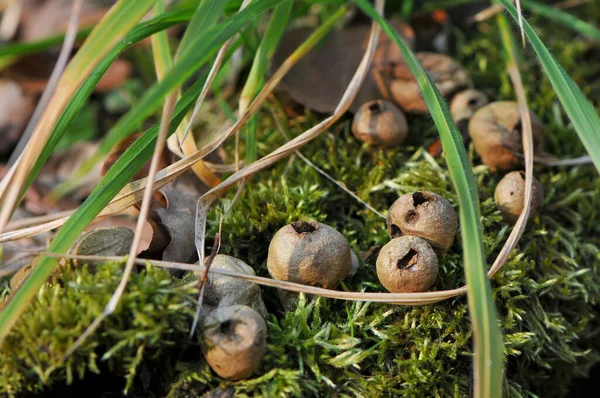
column 178, row 218
column 15, row 110
column 115, row 76
column 319, row 79
column 41, row 20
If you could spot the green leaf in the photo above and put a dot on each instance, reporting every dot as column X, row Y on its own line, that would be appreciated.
column 486, row 333
column 583, row 116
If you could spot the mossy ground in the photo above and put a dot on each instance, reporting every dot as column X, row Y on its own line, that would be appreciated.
column 547, row 294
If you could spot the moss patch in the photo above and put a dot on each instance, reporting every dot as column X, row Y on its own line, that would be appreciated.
column 547, row 294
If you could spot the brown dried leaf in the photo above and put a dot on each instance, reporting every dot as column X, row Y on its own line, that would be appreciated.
column 319, row 80
column 15, row 110
column 178, row 218
column 41, row 20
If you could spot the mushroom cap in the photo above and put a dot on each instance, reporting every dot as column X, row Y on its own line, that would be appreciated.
column 380, row 123
column 465, row 103
column 407, row 264
column 426, row 215
column 112, row 241
column 496, row 133
column 224, row 291
column 310, row 253
column 447, row 74
column 510, row 196
column 235, row 338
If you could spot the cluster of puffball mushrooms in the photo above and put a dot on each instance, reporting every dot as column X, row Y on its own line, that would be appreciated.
column 494, row 128
column 422, row 225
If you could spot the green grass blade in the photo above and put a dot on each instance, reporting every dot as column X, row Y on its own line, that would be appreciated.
column 564, row 18
column 20, row 49
column 488, row 339
column 188, row 63
column 583, row 116
column 140, row 32
column 264, row 53
column 124, row 169
column 207, row 14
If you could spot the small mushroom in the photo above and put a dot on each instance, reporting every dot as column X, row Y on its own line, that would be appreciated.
column 224, row 291
column 496, row 133
column 380, row 123
column 465, row 103
column 510, row 196
column 98, row 242
column 407, row 264
column 447, row 74
column 426, row 215
column 235, row 338
column 310, row 253
column 102, row 242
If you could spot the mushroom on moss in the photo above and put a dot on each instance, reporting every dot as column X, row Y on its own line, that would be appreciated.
column 426, row 215
column 496, row 131
column 224, row 291
column 310, row 253
column 407, row 264
column 380, row 123
column 447, row 74
column 510, row 196
column 234, row 340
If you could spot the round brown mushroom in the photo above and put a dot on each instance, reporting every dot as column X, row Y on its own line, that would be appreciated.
column 465, row 103
column 426, row 215
column 224, row 291
column 407, row 264
column 380, row 123
column 235, row 338
column 447, row 74
column 310, row 253
column 496, row 133
column 510, row 196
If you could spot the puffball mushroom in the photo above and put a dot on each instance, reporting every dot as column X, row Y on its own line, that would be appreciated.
column 380, row 123
column 224, row 291
column 407, row 264
column 310, row 253
column 447, row 74
column 235, row 338
column 495, row 130
column 426, row 215
column 465, row 103
column 510, row 196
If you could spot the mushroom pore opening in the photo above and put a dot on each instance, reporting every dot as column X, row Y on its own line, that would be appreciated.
column 395, row 231
column 302, row 227
column 409, row 259
column 376, row 107
column 419, row 199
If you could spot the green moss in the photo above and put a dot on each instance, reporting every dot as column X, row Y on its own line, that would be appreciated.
column 547, row 294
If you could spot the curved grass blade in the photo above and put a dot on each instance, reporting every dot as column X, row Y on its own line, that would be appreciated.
column 124, row 169
column 488, row 339
column 564, row 18
column 583, row 116
column 163, row 61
